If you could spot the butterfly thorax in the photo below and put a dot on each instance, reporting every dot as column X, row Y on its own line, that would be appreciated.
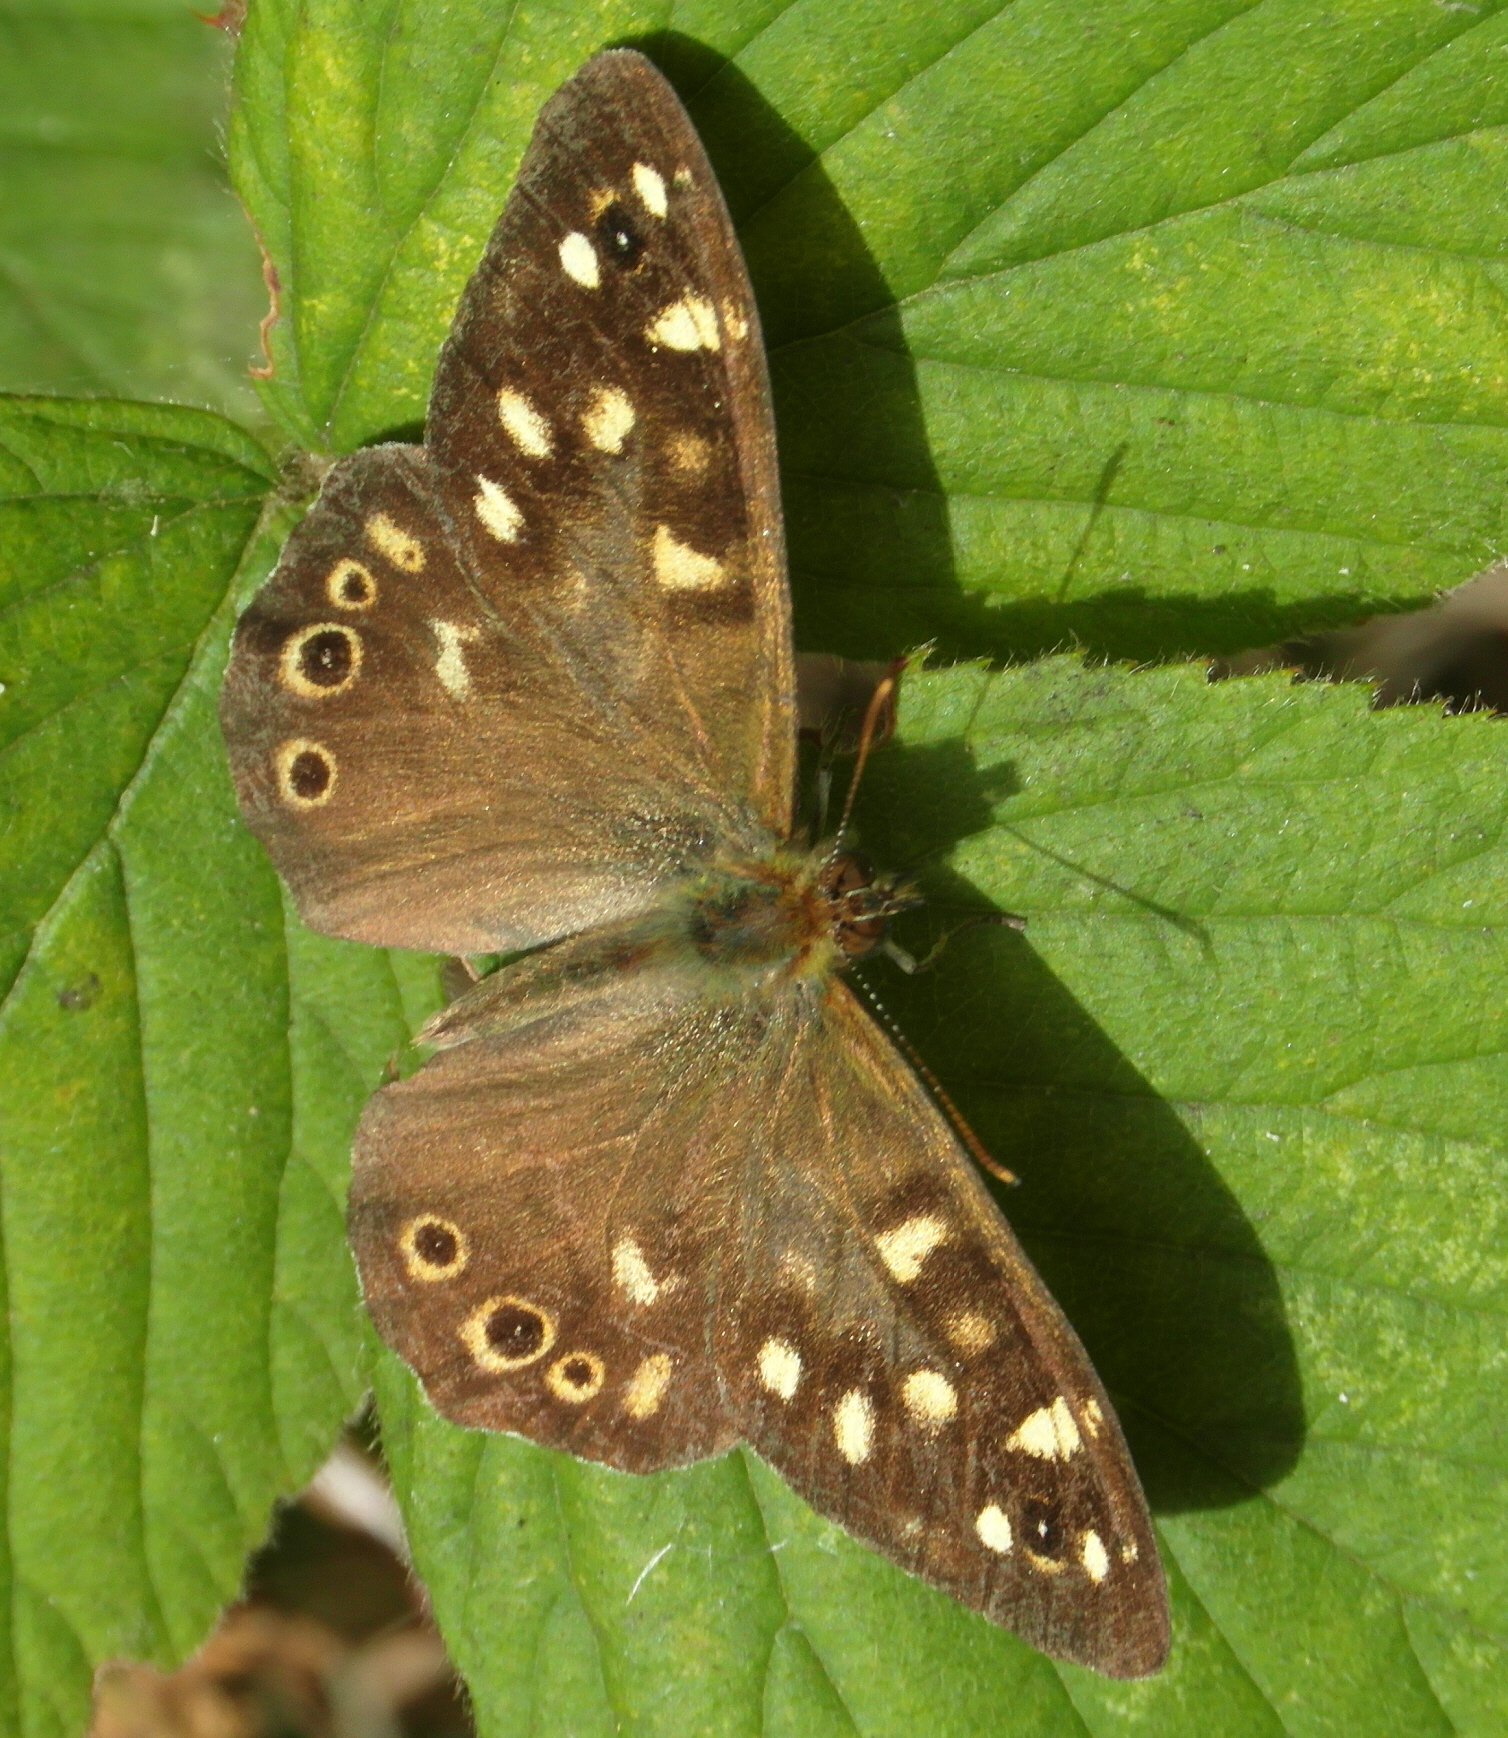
column 720, row 933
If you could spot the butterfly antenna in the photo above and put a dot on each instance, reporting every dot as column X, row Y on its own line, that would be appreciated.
column 980, row 1152
column 879, row 702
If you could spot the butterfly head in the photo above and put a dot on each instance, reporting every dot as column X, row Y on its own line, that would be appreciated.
column 860, row 903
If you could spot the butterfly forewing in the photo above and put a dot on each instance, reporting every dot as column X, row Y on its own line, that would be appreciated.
column 633, row 430
column 568, row 608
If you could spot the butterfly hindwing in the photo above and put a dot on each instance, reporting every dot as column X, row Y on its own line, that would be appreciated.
column 569, row 606
column 488, row 1157
column 787, row 1245
column 896, row 1357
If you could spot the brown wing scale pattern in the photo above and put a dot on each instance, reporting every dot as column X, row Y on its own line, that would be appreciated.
column 641, row 404
column 481, row 1268
column 787, row 1245
column 893, row 1353
column 568, row 608
column 532, row 679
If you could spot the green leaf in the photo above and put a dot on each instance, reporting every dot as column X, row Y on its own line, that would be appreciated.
column 1198, row 294
column 1160, row 328
column 125, row 267
column 182, row 1061
column 1156, row 328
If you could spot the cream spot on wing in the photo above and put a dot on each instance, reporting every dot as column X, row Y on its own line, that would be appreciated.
column 306, row 772
column 530, row 431
column 1049, row 1433
column 633, row 1276
column 450, row 662
column 497, row 510
column 1095, row 1558
column 993, row 1526
column 689, row 453
column 649, row 184
column 646, row 1387
column 1047, row 1565
column 853, row 1426
column 930, row 1398
column 1092, row 1416
column 1129, row 1552
column 799, row 1270
column 683, row 177
column 579, row 258
column 576, row 1378
column 689, row 324
column 779, row 1367
column 320, row 661
column 971, row 1332
column 574, row 590
column 402, row 549
column 737, row 325
column 907, row 1246
column 679, row 568
column 433, row 1248
column 608, row 420
column 351, row 586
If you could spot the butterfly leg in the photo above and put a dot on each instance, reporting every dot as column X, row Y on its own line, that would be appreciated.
column 911, row 965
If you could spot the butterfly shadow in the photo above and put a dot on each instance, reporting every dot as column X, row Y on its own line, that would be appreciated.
column 1138, row 1237
column 1143, row 1244
column 871, row 529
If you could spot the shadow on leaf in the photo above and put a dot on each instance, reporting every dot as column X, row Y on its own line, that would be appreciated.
column 1134, row 1231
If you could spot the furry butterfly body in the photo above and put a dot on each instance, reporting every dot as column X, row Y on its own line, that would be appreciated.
column 667, row 1186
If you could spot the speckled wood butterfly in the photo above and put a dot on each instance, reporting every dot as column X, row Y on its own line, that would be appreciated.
column 667, row 1186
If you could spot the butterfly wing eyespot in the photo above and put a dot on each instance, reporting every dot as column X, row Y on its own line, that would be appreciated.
column 434, row 1248
column 577, row 1377
column 321, row 661
column 620, row 239
column 350, row 585
column 306, row 773
column 508, row 1333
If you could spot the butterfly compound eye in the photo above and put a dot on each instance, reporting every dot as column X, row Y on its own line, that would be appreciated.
column 619, row 237
column 507, row 1333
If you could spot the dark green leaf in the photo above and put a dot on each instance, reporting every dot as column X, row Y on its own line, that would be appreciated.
column 125, row 266
column 1154, row 327
column 182, row 1064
